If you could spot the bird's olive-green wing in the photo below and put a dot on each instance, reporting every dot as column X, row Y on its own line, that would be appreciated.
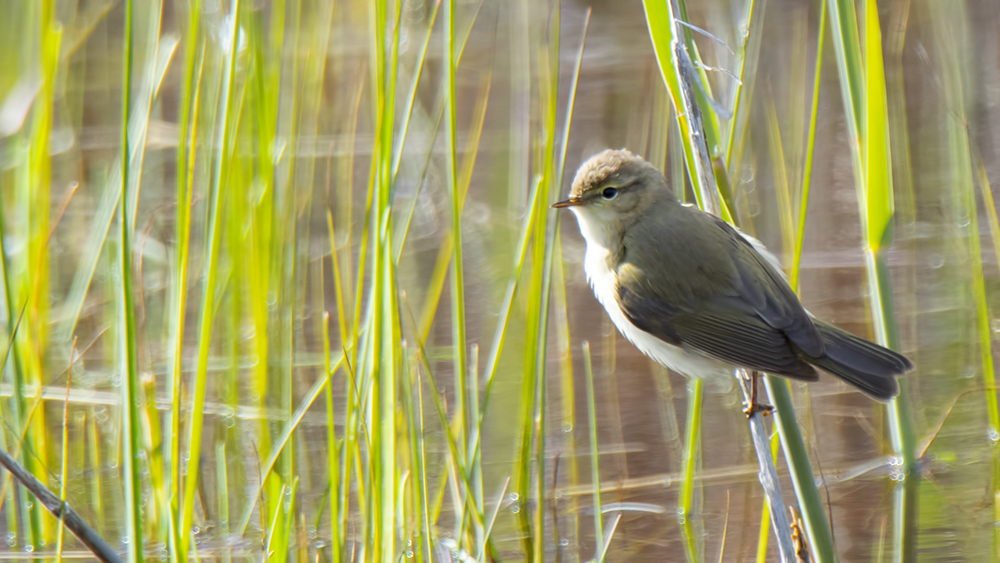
column 766, row 290
column 722, row 298
column 739, row 338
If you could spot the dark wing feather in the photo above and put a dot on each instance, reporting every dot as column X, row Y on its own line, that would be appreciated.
column 732, row 306
column 742, row 340
column 750, row 343
column 770, row 295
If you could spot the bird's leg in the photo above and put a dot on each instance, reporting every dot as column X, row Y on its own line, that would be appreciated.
column 754, row 407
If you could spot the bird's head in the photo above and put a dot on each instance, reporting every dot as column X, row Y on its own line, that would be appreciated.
column 611, row 190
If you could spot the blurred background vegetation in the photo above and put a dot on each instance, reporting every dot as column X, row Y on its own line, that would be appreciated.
column 281, row 280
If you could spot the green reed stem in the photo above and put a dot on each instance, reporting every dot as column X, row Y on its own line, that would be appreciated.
column 131, row 392
column 213, row 248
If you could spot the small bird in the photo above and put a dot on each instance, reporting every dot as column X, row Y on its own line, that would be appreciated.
column 699, row 296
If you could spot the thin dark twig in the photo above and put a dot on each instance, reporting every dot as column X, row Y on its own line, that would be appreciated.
column 61, row 510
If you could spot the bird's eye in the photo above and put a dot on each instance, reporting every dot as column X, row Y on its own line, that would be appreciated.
column 609, row 193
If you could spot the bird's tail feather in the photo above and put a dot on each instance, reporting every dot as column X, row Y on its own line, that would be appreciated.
column 865, row 365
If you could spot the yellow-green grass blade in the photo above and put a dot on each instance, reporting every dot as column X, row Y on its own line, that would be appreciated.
column 864, row 94
column 765, row 532
column 225, row 124
column 333, row 453
column 131, row 392
column 305, row 404
column 413, row 403
column 474, row 456
column 530, row 467
column 685, row 504
column 609, row 532
column 384, row 442
column 412, row 97
column 533, row 436
column 158, row 518
column 983, row 323
column 384, row 357
column 447, row 248
column 17, row 405
column 139, row 119
column 404, row 229
column 35, row 269
column 273, row 547
column 876, row 197
column 506, row 309
column 782, row 188
column 64, row 454
column 983, row 314
column 877, row 191
column 158, row 55
column 743, row 96
column 255, row 208
column 493, row 517
column 567, row 471
column 190, row 105
column 460, row 361
column 222, row 482
column 795, row 270
column 567, row 393
column 595, row 469
column 463, row 490
column 847, row 47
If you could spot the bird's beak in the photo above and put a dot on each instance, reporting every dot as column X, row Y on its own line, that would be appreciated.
column 571, row 202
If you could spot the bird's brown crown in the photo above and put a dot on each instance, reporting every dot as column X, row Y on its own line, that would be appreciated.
column 615, row 168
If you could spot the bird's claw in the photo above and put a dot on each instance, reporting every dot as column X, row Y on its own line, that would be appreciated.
column 755, row 408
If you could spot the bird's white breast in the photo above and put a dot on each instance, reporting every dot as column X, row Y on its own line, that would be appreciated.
column 604, row 280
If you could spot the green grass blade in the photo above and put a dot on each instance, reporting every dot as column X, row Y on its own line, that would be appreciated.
column 457, row 262
column 800, row 469
column 64, row 472
column 213, row 243
column 609, row 532
column 743, row 96
column 677, row 72
column 692, row 440
column 847, row 46
column 595, row 470
column 304, row 405
column 412, row 97
column 131, row 391
column 794, row 272
column 179, row 306
column 983, row 326
column 877, row 193
column 876, row 199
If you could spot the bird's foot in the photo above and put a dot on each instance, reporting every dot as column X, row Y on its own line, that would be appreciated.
column 755, row 408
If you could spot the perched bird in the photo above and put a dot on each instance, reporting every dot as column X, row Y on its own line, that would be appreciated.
column 698, row 296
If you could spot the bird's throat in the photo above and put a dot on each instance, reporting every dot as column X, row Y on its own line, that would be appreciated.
column 604, row 234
